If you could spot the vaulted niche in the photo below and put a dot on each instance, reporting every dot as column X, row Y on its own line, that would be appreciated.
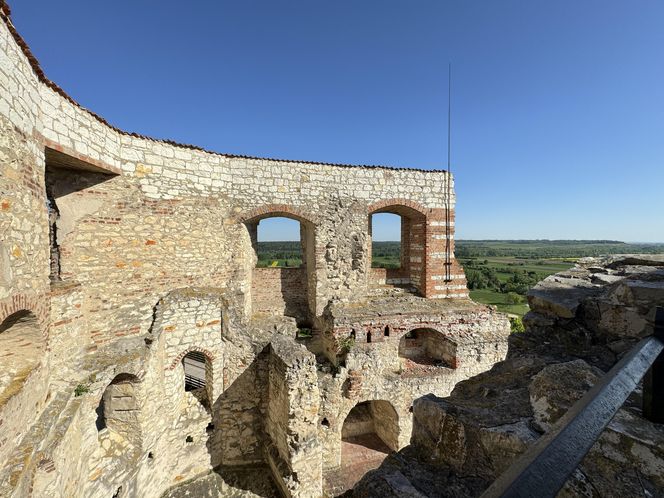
column 21, row 349
column 118, row 410
column 70, row 196
column 369, row 433
column 397, row 247
column 427, row 347
column 283, row 277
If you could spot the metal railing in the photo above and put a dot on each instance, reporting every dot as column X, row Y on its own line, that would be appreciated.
column 545, row 467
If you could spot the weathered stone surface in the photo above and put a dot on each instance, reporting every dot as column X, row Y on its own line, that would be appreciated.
column 490, row 419
column 556, row 388
column 154, row 351
column 560, row 295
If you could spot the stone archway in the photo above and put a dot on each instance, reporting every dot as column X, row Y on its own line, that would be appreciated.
column 21, row 346
column 411, row 270
column 119, row 409
column 427, row 347
column 194, row 377
column 370, row 432
column 289, row 291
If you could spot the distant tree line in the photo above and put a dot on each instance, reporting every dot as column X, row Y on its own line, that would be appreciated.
column 538, row 249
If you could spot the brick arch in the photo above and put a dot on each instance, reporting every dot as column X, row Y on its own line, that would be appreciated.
column 179, row 357
column 432, row 344
column 109, row 375
column 423, row 326
column 398, row 206
column 37, row 305
column 413, row 255
column 366, row 399
column 273, row 210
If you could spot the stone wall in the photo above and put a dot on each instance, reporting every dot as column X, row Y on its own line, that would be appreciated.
column 280, row 291
column 128, row 253
column 292, row 419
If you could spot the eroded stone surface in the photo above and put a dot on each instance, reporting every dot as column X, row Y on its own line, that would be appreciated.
column 473, row 435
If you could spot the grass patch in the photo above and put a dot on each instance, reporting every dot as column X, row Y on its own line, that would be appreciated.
column 495, row 298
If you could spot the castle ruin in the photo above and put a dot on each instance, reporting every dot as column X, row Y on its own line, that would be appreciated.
column 141, row 348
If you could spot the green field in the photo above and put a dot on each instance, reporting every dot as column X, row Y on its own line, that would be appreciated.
column 499, row 300
column 499, row 272
column 286, row 254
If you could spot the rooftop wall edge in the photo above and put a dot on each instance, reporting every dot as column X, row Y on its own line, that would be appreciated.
column 41, row 76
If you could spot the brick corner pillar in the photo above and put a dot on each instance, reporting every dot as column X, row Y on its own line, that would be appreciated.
column 444, row 277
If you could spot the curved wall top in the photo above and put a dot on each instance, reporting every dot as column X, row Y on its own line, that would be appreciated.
column 40, row 108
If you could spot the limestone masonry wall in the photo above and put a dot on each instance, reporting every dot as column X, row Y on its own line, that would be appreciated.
column 141, row 348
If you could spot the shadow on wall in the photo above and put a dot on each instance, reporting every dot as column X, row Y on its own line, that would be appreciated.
column 294, row 294
column 237, row 435
column 21, row 346
column 281, row 291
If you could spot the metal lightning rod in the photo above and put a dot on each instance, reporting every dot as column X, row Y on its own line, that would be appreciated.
column 448, row 231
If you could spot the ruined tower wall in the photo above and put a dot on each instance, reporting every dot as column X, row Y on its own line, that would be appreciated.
column 136, row 221
column 23, row 248
column 292, row 419
column 161, row 222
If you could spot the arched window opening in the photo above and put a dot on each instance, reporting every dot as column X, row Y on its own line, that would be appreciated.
column 21, row 344
column 370, row 432
column 197, row 376
column 386, row 240
column 278, row 243
column 397, row 240
column 283, row 279
column 118, row 408
column 353, row 334
column 386, row 332
column 427, row 347
column 369, row 336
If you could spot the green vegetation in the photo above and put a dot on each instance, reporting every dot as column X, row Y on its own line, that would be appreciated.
column 386, row 255
column 346, row 344
column 287, row 254
column 81, row 389
column 516, row 324
column 548, row 249
column 498, row 299
column 304, row 333
column 499, row 272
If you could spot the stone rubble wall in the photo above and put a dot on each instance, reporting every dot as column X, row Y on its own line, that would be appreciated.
column 23, row 236
column 292, row 421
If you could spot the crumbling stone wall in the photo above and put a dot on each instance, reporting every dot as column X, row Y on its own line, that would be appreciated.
column 147, row 254
column 294, row 452
column 280, row 291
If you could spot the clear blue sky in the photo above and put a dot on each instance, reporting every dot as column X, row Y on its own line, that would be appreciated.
column 558, row 106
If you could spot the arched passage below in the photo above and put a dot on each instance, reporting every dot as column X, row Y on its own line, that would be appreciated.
column 369, row 433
